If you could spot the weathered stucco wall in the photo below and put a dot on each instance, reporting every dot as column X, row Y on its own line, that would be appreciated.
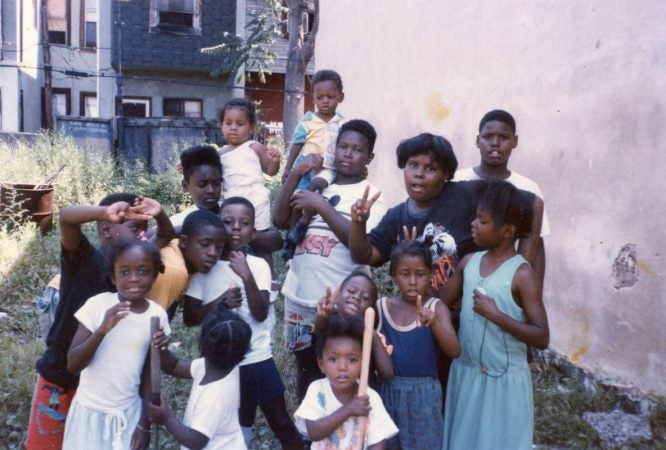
column 586, row 83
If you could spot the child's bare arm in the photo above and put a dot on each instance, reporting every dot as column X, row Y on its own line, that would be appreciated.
column 85, row 343
column 442, row 328
column 322, row 428
column 451, row 291
column 169, row 363
column 282, row 211
column 529, row 245
column 165, row 230
column 72, row 217
column 188, row 437
column 324, row 309
column 194, row 310
column 313, row 201
column 294, row 151
column 257, row 301
column 526, row 290
column 382, row 359
column 362, row 251
column 268, row 157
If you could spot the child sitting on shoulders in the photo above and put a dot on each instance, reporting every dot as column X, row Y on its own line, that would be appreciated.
column 489, row 393
column 211, row 415
column 241, row 282
column 109, row 349
column 244, row 163
column 316, row 135
column 418, row 331
column 331, row 409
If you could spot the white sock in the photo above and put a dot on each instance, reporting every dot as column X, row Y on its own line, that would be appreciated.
column 247, row 435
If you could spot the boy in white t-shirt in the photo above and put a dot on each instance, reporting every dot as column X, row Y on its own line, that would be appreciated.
column 496, row 140
column 241, row 283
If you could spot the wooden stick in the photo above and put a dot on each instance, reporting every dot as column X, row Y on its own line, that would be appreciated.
column 365, row 369
column 155, row 374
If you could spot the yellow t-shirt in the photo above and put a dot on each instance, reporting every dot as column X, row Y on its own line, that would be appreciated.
column 170, row 285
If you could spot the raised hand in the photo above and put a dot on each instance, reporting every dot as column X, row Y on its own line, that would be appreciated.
column 425, row 315
column 360, row 211
column 144, row 208
column 114, row 315
column 407, row 236
column 326, row 304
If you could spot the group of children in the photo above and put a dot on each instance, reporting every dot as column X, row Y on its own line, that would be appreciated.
column 464, row 292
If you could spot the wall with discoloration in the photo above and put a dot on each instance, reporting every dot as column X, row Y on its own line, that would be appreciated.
column 586, row 83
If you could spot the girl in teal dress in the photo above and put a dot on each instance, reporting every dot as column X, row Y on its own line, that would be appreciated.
column 489, row 392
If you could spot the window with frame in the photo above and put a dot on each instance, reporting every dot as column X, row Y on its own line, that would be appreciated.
column 88, row 24
column 182, row 107
column 177, row 16
column 61, row 102
column 88, row 104
column 136, row 106
column 57, row 21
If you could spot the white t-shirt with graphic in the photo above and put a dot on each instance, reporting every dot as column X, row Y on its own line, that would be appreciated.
column 321, row 260
column 320, row 401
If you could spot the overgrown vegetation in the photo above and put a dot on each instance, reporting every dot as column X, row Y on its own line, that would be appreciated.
column 28, row 260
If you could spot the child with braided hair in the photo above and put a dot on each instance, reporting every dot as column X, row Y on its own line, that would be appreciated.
column 489, row 393
column 211, row 415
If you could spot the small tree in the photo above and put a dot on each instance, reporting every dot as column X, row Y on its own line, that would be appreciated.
column 253, row 52
column 301, row 51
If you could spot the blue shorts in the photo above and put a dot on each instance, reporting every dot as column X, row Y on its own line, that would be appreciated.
column 259, row 383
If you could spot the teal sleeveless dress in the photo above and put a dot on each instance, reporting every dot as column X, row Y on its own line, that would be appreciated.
column 489, row 392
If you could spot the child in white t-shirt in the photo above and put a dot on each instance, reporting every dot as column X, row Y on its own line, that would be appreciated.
column 241, row 283
column 330, row 412
column 109, row 349
column 211, row 418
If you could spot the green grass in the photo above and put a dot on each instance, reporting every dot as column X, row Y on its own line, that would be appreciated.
column 28, row 260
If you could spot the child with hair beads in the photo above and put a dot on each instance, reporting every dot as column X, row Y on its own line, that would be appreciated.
column 241, row 282
column 316, row 134
column 330, row 411
column 109, row 349
column 244, row 163
column 418, row 330
column 211, row 416
column 489, row 403
column 357, row 293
